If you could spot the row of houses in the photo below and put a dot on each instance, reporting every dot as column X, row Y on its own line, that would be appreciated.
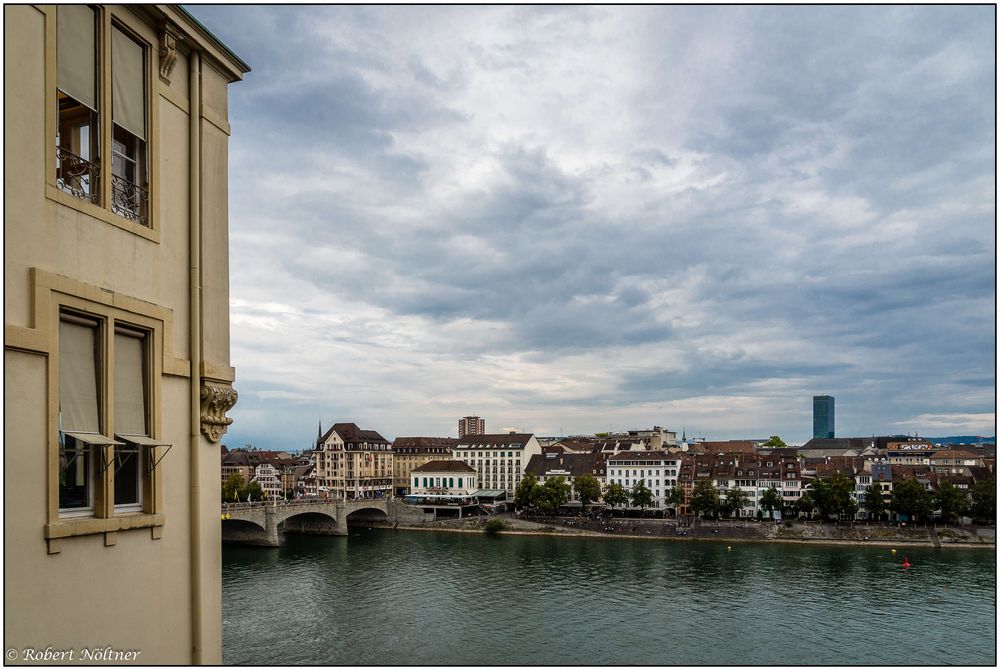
column 349, row 462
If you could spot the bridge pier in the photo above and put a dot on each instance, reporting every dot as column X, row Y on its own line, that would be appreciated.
column 273, row 537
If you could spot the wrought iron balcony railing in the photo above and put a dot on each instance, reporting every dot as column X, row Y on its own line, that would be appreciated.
column 128, row 200
column 77, row 176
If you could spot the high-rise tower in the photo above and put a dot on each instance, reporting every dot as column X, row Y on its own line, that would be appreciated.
column 823, row 419
column 471, row 425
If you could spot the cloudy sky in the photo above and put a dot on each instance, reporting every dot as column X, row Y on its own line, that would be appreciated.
column 570, row 219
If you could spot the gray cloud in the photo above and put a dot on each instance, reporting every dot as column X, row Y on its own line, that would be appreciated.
column 579, row 216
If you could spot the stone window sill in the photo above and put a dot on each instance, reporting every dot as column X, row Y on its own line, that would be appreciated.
column 58, row 530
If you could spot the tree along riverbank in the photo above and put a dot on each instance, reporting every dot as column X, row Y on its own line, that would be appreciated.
column 727, row 531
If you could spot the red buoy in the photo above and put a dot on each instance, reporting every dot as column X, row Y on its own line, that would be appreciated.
column 906, row 562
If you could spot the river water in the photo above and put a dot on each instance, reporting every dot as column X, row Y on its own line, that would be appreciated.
column 433, row 598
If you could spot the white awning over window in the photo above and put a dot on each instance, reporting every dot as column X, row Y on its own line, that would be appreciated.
column 141, row 440
column 128, row 105
column 92, row 439
column 76, row 53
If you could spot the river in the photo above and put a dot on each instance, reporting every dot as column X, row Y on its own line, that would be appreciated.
column 433, row 598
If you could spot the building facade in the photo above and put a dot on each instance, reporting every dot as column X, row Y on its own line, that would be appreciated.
column 352, row 463
column 269, row 479
column 498, row 459
column 823, row 416
column 471, row 425
column 658, row 470
column 555, row 462
column 117, row 376
column 450, row 478
column 412, row 452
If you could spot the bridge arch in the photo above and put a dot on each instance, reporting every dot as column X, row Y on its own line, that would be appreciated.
column 367, row 513
column 244, row 531
column 311, row 522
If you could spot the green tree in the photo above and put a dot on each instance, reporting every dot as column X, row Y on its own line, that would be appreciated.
column 951, row 500
column 526, row 492
column 875, row 499
column 252, row 491
column 841, row 488
column 736, row 500
column 911, row 498
column 587, row 488
column 552, row 495
column 616, row 495
column 674, row 498
column 831, row 495
column 232, row 489
column 850, row 509
column 775, row 441
column 641, row 496
column 704, row 498
column 769, row 501
column 805, row 504
column 983, row 503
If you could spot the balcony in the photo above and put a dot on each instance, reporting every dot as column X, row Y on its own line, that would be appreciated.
column 77, row 176
column 129, row 201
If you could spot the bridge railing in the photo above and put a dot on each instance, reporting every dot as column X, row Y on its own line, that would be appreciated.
column 283, row 504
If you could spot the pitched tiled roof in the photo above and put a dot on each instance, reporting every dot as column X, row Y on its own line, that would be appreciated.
column 417, row 445
column 351, row 434
column 947, row 453
column 643, row 456
column 444, row 466
column 575, row 464
column 495, row 440
column 837, row 443
column 729, row 447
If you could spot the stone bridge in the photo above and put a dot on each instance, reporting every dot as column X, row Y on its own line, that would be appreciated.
column 264, row 523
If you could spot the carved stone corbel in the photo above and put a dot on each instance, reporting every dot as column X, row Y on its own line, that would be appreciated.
column 168, row 52
column 217, row 398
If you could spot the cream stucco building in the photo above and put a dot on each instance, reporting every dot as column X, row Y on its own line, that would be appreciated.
column 117, row 376
column 353, row 463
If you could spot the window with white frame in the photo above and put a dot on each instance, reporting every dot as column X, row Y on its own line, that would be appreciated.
column 131, row 415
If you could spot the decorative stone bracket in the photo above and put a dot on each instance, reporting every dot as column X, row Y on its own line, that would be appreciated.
column 217, row 398
column 168, row 52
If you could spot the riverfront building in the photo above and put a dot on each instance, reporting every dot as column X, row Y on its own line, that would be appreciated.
column 353, row 463
column 117, row 377
column 555, row 462
column 823, row 416
column 448, row 478
column 657, row 469
column 411, row 452
column 498, row 459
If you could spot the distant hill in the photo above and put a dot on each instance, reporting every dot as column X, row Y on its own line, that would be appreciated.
column 963, row 439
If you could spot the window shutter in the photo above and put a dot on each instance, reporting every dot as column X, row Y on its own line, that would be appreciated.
column 130, row 391
column 76, row 53
column 78, row 402
column 128, row 108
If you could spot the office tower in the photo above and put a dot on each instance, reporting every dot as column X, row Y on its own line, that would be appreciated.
column 823, row 421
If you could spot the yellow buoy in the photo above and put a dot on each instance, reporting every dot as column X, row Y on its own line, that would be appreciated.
column 893, row 551
column 729, row 548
